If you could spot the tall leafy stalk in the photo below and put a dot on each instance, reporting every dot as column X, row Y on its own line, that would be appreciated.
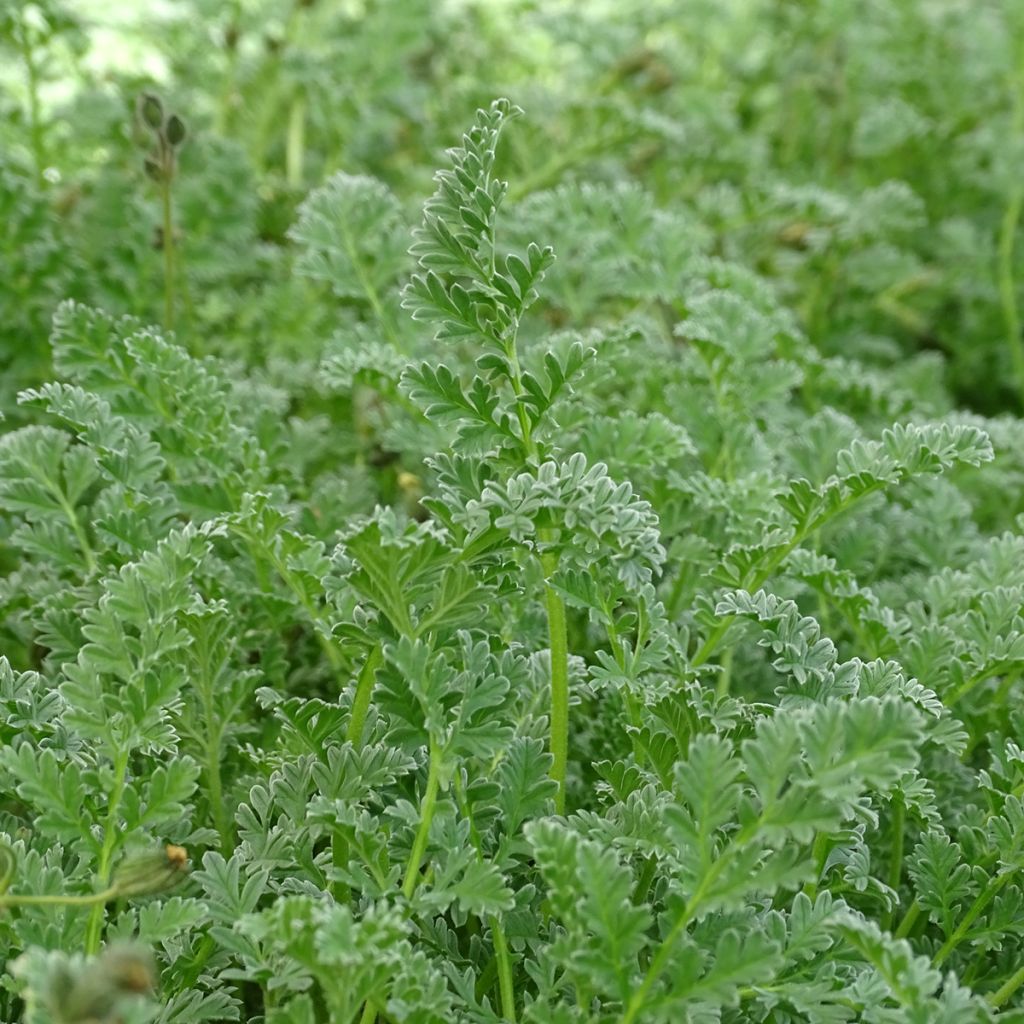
column 470, row 291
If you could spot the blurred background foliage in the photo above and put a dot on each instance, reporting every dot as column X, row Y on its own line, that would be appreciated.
column 863, row 157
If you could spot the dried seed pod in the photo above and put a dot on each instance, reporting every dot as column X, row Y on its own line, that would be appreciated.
column 154, row 168
column 151, row 872
column 174, row 130
column 151, row 111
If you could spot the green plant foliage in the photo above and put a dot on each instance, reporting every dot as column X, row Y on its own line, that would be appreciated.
column 587, row 589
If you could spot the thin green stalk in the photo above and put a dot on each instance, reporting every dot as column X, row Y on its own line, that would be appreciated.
column 977, row 908
column 364, row 692
column 168, row 240
column 89, row 900
column 1007, row 989
column 213, row 749
column 725, row 676
column 369, row 1014
column 715, row 637
column 558, row 639
column 629, row 701
column 34, row 108
column 505, row 987
column 427, row 805
column 1007, row 241
column 502, row 958
column 370, row 290
column 914, row 910
column 971, row 683
column 657, row 965
column 644, row 882
column 899, row 813
column 559, row 645
column 909, row 920
column 222, row 117
column 215, row 793
column 314, row 613
column 110, row 836
column 665, row 951
column 819, row 852
column 295, row 146
column 83, row 541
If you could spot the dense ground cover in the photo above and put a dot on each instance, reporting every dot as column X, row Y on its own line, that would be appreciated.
column 591, row 598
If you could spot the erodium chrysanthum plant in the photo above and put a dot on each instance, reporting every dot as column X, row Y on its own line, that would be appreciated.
column 591, row 597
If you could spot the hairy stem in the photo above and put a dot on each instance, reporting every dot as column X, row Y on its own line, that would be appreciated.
column 554, row 606
column 168, row 246
column 761, row 577
column 985, row 897
column 95, row 926
column 427, row 805
column 899, row 813
column 661, row 959
column 212, row 746
column 501, row 953
column 909, row 920
column 559, row 646
column 89, row 900
column 502, row 957
column 363, row 694
column 1007, row 989
column 76, row 526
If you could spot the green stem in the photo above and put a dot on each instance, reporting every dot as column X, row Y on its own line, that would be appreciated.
column 369, row 1014
column 168, row 240
column 90, row 900
column 213, row 749
column 427, row 805
column 629, row 701
column 1003, row 993
column 215, row 794
column 502, row 958
column 819, row 852
column 370, row 289
column 34, row 107
column 559, row 646
column 761, row 577
column 295, row 151
column 661, row 959
column 899, row 813
column 971, row 683
column 364, row 692
column 501, row 953
column 725, row 676
column 95, row 925
column 657, row 965
column 565, row 157
column 984, row 898
column 315, row 615
column 558, row 638
column 1007, row 240
column 909, row 920
column 643, row 883
column 77, row 528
